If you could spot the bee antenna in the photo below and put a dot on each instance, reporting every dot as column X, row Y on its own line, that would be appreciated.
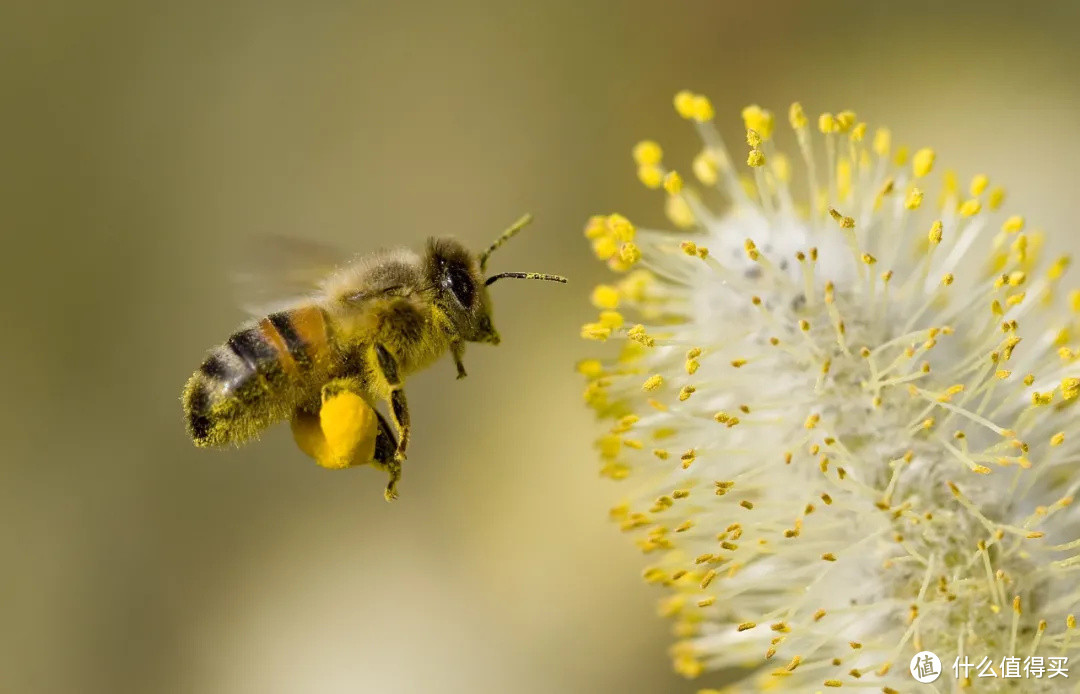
column 504, row 237
column 525, row 276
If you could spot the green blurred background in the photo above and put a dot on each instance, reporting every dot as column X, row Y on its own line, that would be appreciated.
column 145, row 142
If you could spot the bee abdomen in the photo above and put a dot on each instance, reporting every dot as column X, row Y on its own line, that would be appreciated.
column 250, row 382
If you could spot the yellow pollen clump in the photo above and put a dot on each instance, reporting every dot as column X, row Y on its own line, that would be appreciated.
column 914, row 199
column 755, row 158
column 827, row 123
column 753, row 138
column 923, row 162
column 979, row 184
column 997, row 196
column 1070, row 388
column 630, row 253
column 647, row 152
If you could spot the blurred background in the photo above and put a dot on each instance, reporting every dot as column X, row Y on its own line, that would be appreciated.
column 144, row 143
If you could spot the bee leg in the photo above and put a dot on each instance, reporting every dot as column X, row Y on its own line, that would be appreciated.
column 398, row 405
column 458, row 350
column 385, row 447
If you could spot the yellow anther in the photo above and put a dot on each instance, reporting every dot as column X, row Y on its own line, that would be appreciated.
column 970, row 208
column 605, row 247
column 652, row 383
column 701, row 109
column 1057, row 439
column 759, row 119
column 688, row 247
column 827, row 123
column 753, row 138
column 997, row 196
column 1046, row 398
column 590, row 368
column 948, row 279
column 1058, row 268
column 979, row 184
column 630, row 253
column 706, row 167
column 868, row 259
column 845, row 120
column 595, row 331
column 620, row 227
column 611, row 319
column 678, row 211
column 797, row 117
column 651, row 175
column 1013, row 224
column 638, row 334
column 914, row 199
column 935, row 234
column 922, row 162
column 605, row 296
column 596, row 227
column 684, row 103
column 673, row 182
column 755, row 158
column 812, row 421
column 843, row 178
column 1016, row 278
column 751, row 249
column 685, row 392
column 845, row 222
column 1070, row 388
column 647, row 152
column 858, row 133
column 882, row 142
column 781, row 167
column 738, row 363
column 901, row 156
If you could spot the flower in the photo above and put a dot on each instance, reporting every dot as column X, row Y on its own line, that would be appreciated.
column 844, row 407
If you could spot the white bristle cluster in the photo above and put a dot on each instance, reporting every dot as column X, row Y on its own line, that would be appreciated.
column 847, row 425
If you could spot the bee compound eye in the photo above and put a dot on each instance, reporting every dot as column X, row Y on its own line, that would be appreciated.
column 461, row 285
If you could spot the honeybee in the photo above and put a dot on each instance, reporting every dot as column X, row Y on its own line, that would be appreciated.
column 368, row 326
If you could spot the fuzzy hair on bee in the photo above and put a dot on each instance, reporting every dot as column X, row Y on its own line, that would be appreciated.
column 326, row 361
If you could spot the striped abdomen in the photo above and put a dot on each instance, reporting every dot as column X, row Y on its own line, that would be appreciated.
column 257, row 377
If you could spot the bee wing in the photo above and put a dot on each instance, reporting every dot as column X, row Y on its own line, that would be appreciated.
column 279, row 272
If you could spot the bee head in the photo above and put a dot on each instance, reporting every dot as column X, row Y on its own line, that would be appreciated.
column 461, row 289
column 460, row 292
